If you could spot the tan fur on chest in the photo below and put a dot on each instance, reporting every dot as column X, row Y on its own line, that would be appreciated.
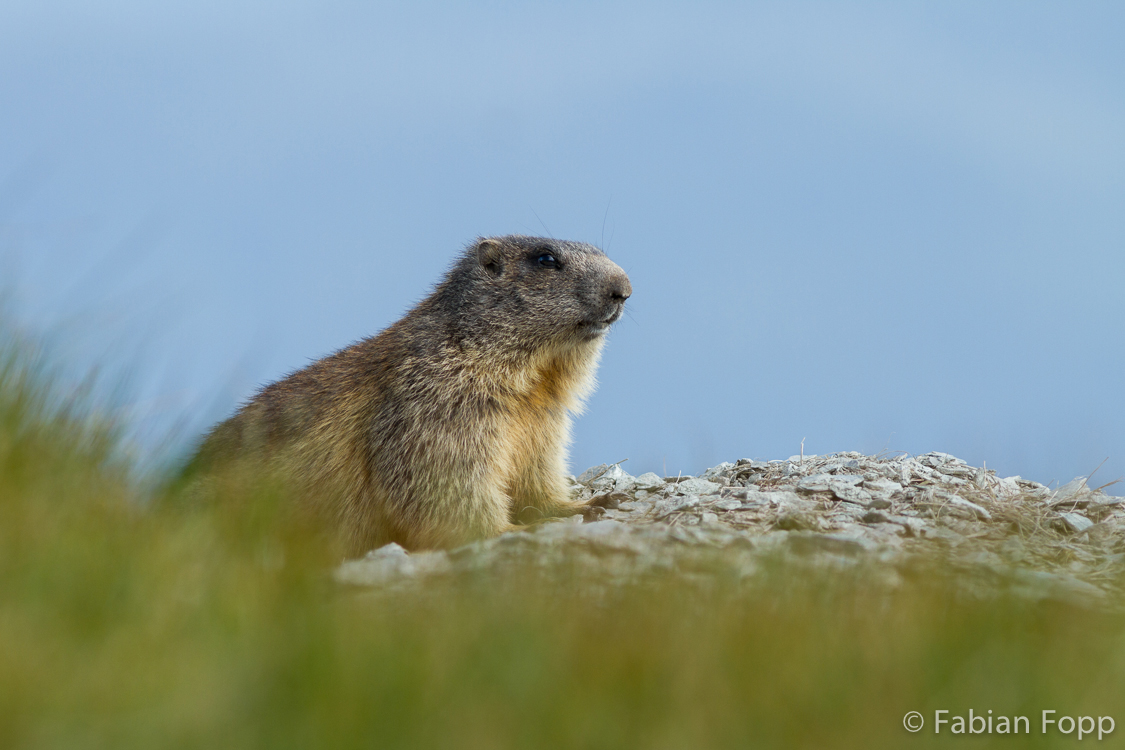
column 538, row 422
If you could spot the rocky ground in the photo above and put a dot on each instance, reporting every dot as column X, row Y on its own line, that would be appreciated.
column 884, row 515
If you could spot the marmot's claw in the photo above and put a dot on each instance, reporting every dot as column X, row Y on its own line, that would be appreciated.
column 609, row 501
column 591, row 513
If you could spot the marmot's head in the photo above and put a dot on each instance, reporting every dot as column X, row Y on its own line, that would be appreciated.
column 534, row 291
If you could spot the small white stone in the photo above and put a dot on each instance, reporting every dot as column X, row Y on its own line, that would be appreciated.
column 1071, row 488
column 980, row 512
column 695, row 486
column 648, row 481
column 590, row 474
column 1076, row 522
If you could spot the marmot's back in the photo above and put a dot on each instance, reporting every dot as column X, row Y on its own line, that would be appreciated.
column 452, row 424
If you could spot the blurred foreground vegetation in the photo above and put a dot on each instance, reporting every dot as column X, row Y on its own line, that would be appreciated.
column 131, row 617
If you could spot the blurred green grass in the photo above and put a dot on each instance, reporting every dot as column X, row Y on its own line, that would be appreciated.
column 133, row 617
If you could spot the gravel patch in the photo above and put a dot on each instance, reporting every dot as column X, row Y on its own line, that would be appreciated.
column 844, row 509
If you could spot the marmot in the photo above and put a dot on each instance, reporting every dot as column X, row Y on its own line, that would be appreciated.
column 453, row 423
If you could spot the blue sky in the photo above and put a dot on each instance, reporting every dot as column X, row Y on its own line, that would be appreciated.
column 894, row 226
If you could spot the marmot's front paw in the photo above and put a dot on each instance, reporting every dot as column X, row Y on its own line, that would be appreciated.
column 591, row 512
column 610, row 500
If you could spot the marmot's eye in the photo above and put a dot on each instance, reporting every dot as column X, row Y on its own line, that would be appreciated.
column 546, row 260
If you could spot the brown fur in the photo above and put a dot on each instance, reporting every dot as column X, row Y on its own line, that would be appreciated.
column 453, row 423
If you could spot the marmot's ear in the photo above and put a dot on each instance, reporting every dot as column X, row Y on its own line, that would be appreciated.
column 490, row 255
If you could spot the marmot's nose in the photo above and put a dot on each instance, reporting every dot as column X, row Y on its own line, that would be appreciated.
column 620, row 289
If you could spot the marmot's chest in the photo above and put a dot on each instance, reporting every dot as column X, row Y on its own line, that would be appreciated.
column 535, row 424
